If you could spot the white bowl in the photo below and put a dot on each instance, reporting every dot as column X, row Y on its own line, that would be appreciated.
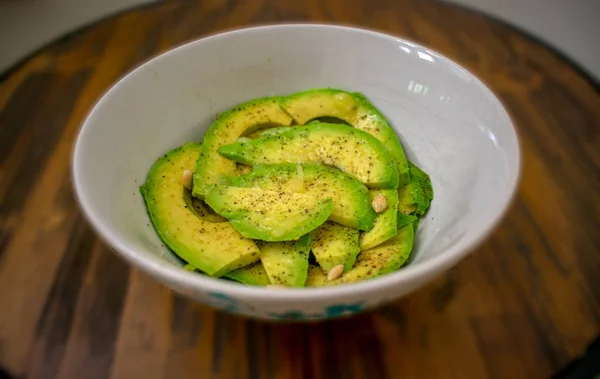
column 449, row 122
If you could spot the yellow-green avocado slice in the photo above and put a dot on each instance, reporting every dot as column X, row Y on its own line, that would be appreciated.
column 351, row 202
column 415, row 198
column 334, row 244
column 351, row 150
column 386, row 223
column 213, row 247
column 380, row 260
column 228, row 127
column 353, row 108
column 269, row 215
column 286, row 263
column 252, row 275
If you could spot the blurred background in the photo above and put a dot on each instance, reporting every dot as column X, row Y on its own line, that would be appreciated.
column 569, row 26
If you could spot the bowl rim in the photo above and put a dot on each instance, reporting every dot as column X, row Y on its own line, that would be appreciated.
column 159, row 269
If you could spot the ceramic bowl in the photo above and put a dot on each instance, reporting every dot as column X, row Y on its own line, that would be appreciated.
column 450, row 124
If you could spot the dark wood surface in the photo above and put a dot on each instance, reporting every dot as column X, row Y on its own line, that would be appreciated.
column 523, row 305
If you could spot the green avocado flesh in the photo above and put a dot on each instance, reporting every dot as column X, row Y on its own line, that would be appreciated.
column 352, row 108
column 351, row 202
column 269, row 215
column 253, row 275
column 351, row 150
column 380, row 260
column 334, row 244
column 242, row 119
column 415, row 198
column 213, row 247
column 204, row 212
column 385, row 223
column 404, row 219
column 283, row 190
column 286, row 263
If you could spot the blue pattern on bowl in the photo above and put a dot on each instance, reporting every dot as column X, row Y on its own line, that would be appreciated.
column 229, row 304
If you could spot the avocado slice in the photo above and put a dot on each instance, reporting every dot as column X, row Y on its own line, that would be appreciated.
column 205, row 212
column 252, row 275
column 266, row 132
column 404, row 219
column 243, row 169
column 269, row 215
column 229, row 126
column 286, row 262
column 380, row 260
column 386, row 223
column 351, row 204
column 351, row 150
column 415, row 197
column 352, row 108
column 213, row 247
column 334, row 244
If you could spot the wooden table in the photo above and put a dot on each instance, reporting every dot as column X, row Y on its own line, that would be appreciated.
column 522, row 306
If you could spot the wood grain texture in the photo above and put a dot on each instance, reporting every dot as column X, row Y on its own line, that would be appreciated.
column 522, row 306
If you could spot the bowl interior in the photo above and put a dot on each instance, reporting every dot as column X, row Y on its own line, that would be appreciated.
column 449, row 123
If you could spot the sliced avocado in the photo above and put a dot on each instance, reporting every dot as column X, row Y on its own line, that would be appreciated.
column 252, row 275
column 329, row 120
column 266, row 132
column 352, row 108
column 351, row 204
column 286, row 262
column 415, row 197
column 242, row 169
column 229, row 126
column 386, row 222
column 380, row 260
column 351, row 150
column 269, row 215
column 334, row 244
column 205, row 212
column 213, row 247
column 404, row 219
